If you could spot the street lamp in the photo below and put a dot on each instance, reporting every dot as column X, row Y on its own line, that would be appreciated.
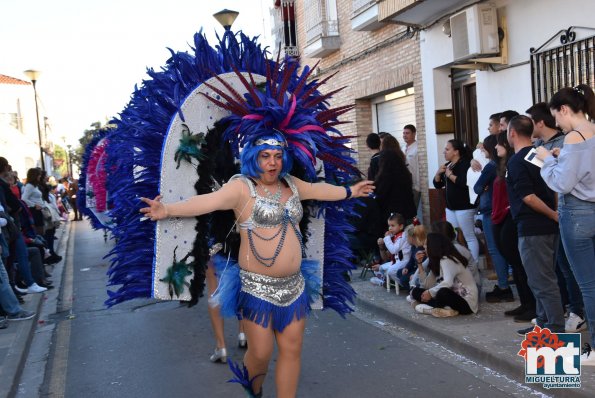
column 33, row 75
column 69, row 164
column 226, row 18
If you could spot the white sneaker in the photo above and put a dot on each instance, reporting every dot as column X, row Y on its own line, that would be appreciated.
column 575, row 323
column 376, row 281
column 424, row 309
column 444, row 312
column 35, row 288
column 18, row 289
column 588, row 361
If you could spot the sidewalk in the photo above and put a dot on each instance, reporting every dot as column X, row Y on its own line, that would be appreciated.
column 15, row 341
column 488, row 338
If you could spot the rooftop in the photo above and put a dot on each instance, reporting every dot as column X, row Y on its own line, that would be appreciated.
column 12, row 80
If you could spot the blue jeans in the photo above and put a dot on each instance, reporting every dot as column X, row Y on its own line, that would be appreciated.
column 22, row 258
column 573, row 291
column 8, row 300
column 500, row 264
column 577, row 228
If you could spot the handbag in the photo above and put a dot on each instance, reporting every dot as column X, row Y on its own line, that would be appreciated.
column 10, row 230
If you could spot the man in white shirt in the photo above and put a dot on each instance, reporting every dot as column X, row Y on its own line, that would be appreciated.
column 410, row 150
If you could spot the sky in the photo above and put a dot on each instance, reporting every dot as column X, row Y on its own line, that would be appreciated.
column 91, row 53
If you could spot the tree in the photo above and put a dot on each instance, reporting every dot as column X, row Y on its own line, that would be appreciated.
column 60, row 160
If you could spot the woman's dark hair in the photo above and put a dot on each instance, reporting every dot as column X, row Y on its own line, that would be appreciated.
column 502, row 139
column 580, row 99
column 390, row 143
column 489, row 144
column 33, row 176
column 437, row 247
column 398, row 218
column 391, row 167
column 373, row 141
column 462, row 147
column 495, row 117
column 445, row 228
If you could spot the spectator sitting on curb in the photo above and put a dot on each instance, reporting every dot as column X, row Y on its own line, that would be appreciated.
column 445, row 228
column 456, row 292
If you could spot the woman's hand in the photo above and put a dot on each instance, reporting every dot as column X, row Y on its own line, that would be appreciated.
column 426, row 296
column 542, row 153
column 362, row 188
column 405, row 271
column 156, row 210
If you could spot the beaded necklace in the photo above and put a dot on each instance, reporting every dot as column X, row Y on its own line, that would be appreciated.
column 276, row 196
column 270, row 261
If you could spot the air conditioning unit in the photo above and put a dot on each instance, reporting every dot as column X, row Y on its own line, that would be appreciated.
column 474, row 32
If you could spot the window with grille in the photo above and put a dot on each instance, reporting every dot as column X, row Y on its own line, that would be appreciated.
column 564, row 66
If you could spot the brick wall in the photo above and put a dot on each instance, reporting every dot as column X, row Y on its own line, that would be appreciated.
column 370, row 64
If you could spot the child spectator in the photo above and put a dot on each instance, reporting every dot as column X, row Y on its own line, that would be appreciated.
column 394, row 248
column 456, row 291
column 404, row 274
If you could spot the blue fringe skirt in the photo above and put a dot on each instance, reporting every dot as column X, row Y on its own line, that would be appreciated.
column 263, row 299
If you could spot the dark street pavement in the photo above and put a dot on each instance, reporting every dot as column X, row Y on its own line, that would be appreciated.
column 155, row 349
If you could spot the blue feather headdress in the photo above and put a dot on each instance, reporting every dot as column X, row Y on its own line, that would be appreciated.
column 290, row 105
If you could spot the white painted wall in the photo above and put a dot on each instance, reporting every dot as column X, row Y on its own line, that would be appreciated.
column 530, row 23
column 21, row 149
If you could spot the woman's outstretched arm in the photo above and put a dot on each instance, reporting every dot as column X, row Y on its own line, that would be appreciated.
column 328, row 192
column 226, row 198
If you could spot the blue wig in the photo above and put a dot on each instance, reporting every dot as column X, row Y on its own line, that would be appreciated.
column 249, row 156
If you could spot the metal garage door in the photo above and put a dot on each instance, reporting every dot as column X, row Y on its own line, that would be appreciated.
column 392, row 115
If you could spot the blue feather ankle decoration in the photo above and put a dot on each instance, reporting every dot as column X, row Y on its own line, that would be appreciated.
column 243, row 378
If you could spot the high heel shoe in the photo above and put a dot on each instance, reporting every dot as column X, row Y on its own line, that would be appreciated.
column 220, row 355
column 242, row 342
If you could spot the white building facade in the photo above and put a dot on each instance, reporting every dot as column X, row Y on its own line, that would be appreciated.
column 19, row 142
column 536, row 54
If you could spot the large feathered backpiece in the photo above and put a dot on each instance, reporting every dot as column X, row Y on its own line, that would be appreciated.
column 92, row 195
column 288, row 102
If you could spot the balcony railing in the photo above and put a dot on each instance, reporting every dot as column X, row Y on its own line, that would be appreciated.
column 322, row 29
column 361, row 5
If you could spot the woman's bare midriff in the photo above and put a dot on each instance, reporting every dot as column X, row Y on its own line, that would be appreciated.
column 288, row 261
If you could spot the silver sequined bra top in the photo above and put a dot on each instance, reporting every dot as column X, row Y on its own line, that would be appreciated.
column 268, row 213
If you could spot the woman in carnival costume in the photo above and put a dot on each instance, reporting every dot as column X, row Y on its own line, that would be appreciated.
column 274, row 285
column 280, row 126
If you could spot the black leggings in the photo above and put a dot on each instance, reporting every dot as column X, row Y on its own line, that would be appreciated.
column 445, row 297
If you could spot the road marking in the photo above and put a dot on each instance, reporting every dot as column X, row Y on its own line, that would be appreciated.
column 59, row 368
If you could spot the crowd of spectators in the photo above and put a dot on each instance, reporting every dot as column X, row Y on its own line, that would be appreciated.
column 30, row 213
column 528, row 190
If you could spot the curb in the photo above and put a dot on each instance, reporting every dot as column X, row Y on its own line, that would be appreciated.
column 482, row 357
column 22, row 346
